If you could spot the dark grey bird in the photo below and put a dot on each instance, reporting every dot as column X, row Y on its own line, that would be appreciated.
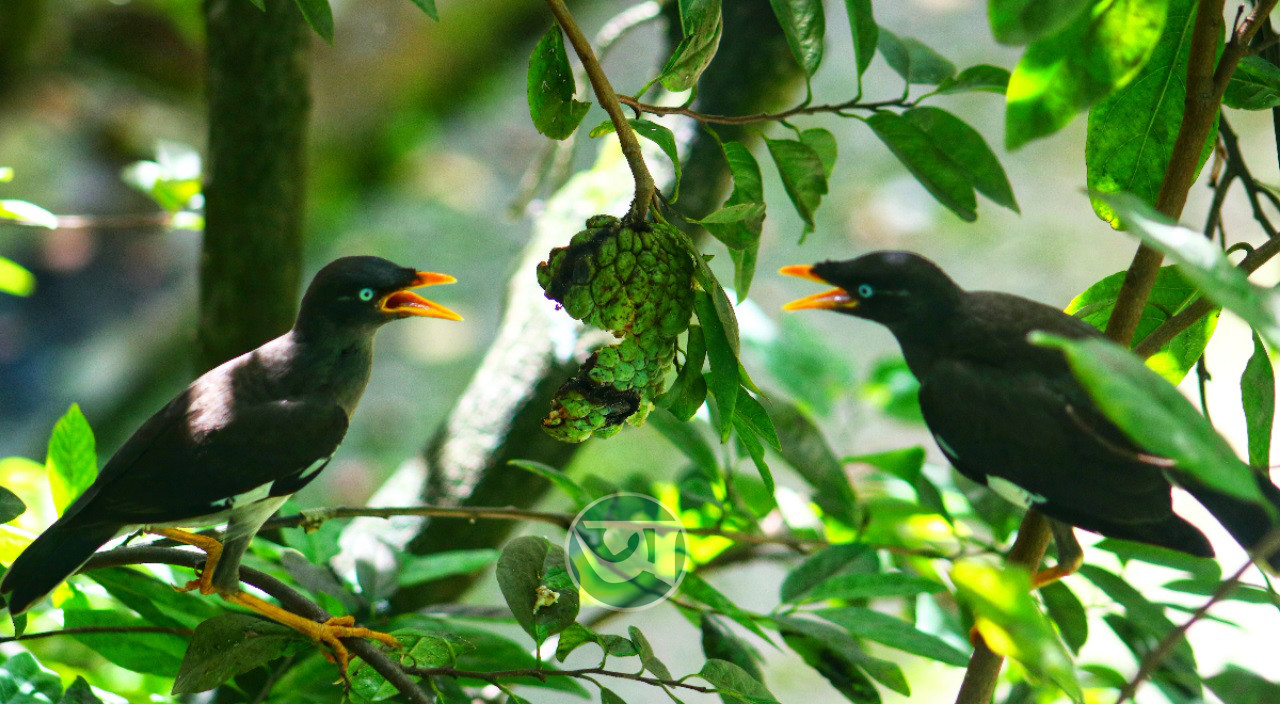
column 237, row 442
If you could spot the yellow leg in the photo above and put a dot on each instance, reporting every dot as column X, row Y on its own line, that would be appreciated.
column 213, row 552
column 326, row 633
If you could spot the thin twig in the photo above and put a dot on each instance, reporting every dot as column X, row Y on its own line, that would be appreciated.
column 645, row 187
column 705, row 118
column 97, row 630
column 495, row 677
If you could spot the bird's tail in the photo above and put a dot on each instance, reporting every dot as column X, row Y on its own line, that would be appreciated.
column 1246, row 521
column 54, row 556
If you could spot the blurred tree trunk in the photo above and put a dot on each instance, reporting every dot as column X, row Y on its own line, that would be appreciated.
column 255, row 177
column 499, row 417
column 20, row 22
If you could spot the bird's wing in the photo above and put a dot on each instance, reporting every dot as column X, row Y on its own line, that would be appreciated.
column 177, row 467
column 1043, row 441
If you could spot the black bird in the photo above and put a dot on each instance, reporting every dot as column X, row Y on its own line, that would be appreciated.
column 1011, row 415
column 238, row 442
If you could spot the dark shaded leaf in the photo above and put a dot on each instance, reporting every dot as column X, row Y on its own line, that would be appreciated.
column 701, row 24
column 968, row 150
column 580, row 497
column 1255, row 85
column 754, row 416
column 1024, row 21
column 895, row 633
column 825, row 563
column 722, row 381
column 227, row 645
column 155, row 601
column 720, row 643
column 803, row 25
column 1258, row 392
column 551, row 87
column 750, row 442
column 10, row 505
column 1203, row 568
column 731, row 680
column 803, row 177
column 531, row 574
column 1068, row 613
column 839, row 658
column 804, row 448
column 79, row 692
column 913, row 60
column 686, row 438
column 429, row 7
column 319, row 17
column 927, row 163
column 1065, row 72
column 689, row 391
column 982, row 78
column 1237, row 685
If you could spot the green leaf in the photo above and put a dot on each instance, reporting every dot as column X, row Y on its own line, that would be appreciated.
column 719, row 642
column 907, row 464
column 722, row 381
column 837, row 657
column 1024, row 21
column 1068, row 613
column 79, row 692
column 645, row 651
column 148, row 653
column 1258, row 392
column 967, row 150
column 15, row 280
column 22, row 674
column 748, row 190
column 72, row 461
column 892, row 388
column 1240, row 686
column 429, row 7
column 754, row 416
column 734, row 682
column 1203, row 263
column 930, row 165
column 913, row 60
column 749, row 441
column 1007, row 617
column 1131, row 133
column 1096, row 53
column 702, row 26
column 733, row 214
column 1255, row 85
column 1243, row 593
column 823, row 143
column 24, row 213
column 689, row 390
column 803, row 24
column 579, row 496
column 551, row 87
column 655, row 133
column 319, row 17
column 866, row 34
column 804, row 448
column 531, row 572
column 696, row 588
column 689, row 441
column 154, row 600
column 1204, row 568
column 895, row 633
column 10, row 505
column 573, row 637
column 416, row 569
column 872, row 586
column 608, row 696
column 803, row 177
column 227, row 645
column 820, row 566
column 982, row 78
column 1172, row 292
column 1151, row 412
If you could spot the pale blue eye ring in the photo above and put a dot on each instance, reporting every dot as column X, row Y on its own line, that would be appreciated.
column 865, row 291
column 366, row 294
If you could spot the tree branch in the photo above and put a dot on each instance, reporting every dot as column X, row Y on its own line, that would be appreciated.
column 585, row 673
column 705, row 118
column 97, row 630
column 288, row 597
column 645, row 187
column 984, row 665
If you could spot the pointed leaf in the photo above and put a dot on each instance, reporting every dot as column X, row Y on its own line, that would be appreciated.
column 650, row 661
column 1258, row 391
column 967, row 150
column 719, row 642
column 804, row 448
column 929, row 164
column 731, row 680
column 840, row 659
column 819, row 566
column 1255, row 85
column 803, row 25
column 551, row 87
column 319, row 17
column 982, row 78
column 696, row 588
column 1067, row 611
column 17, row 281
column 872, row 586
column 24, row 213
column 913, row 60
column 702, row 25
column 866, row 34
column 722, row 381
column 576, row 493
column 417, row 569
column 1024, row 21
column 79, row 692
column 72, row 461
column 10, row 505
column 895, row 633
column 227, row 645
column 659, row 135
column 429, row 7
column 803, row 177
column 689, row 390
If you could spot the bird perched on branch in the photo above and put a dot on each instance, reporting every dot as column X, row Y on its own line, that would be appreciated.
column 237, row 442
column 1011, row 415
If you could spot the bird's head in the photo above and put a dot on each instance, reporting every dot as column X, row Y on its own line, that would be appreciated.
column 901, row 290
column 365, row 292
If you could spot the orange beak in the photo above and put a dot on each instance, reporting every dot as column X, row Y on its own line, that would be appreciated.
column 406, row 303
column 835, row 299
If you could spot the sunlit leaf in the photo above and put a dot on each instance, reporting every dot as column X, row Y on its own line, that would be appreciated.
column 1131, row 133
column 983, row 78
column 24, row 213
column 823, row 143
column 930, row 165
column 1007, row 617
column 72, row 461
column 551, row 87
column 1023, row 21
column 1096, row 53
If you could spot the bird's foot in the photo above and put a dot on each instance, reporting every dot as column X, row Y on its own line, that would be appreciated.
column 328, row 634
column 212, row 550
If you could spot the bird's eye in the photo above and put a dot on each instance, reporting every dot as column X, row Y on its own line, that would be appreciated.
column 865, row 291
column 366, row 294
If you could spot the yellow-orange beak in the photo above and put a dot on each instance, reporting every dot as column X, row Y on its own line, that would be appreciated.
column 405, row 303
column 835, row 299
